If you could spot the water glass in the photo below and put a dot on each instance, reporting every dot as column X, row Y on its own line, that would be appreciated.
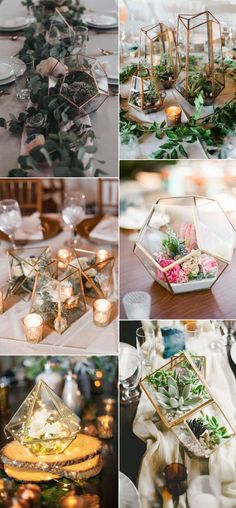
column 204, row 491
column 192, row 332
column 22, row 80
column 137, row 305
column 129, row 147
column 80, row 40
column 145, row 343
column 130, row 371
column 176, row 475
column 73, row 211
column 10, row 218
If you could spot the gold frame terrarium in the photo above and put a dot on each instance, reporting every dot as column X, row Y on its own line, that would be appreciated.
column 157, row 50
column 200, row 52
column 146, row 93
column 43, row 423
column 60, row 299
column 97, row 275
column 192, row 249
column 85, row 86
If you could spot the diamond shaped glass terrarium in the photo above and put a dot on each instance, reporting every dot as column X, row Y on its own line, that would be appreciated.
column 59, row 300
column 43, row 423
column 200, row 53
column 191, row 248
column 147, row 93
column 97, row 275
column 177, row 390
column 157, row 51
column 85, row 86
column 206, row 430
column 23, row 265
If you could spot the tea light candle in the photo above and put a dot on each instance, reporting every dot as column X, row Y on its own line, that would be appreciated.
column 173, row 115
column 33, row 326
column 1, row 303
column 105, row 426
column 101, row 312
column 102, row 255
column 109, row 405
column 64, row 257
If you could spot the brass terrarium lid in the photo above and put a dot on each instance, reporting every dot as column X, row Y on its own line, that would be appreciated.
column 43, row 422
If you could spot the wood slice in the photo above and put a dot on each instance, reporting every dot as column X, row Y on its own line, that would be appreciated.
column 81, row 449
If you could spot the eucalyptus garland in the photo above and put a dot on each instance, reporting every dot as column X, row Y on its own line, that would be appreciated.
column 62, row 151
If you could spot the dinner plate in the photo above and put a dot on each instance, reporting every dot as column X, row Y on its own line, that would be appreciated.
column 133, row 219
column 101, row 20
column 7, row 63
column 13, row 24
column 6, row 71
column 110, row 64
column 50, row 228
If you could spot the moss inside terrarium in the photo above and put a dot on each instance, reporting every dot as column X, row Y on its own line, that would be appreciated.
column 151, row 98
column 165, row 71
column 79, row 87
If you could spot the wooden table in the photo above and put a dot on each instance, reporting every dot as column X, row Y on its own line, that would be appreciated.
column 216, row 304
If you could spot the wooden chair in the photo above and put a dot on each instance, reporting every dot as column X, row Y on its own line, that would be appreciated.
column 108, row 195
column 27, row 191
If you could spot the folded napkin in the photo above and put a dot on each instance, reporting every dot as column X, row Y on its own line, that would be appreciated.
column 106, row 230
column 31, row 228
column 163, row 446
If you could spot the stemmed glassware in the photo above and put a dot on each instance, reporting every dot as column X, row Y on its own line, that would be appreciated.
column 130, row 371
column 73, row 212
column 10, row 218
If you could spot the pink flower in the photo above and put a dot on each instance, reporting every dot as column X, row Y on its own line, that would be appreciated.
column 188, row 234
column 173, row 274
column 209, row 266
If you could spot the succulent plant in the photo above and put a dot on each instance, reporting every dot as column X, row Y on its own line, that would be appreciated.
column 197, row 427
column 176, row 399
column 216, row 433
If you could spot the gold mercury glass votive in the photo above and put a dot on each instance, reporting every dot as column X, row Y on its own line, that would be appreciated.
column 1, row 303
column 64, row 257
column 33, row 328
column 105, row 426
column 173, row 115
column 109, row 405
column 102, row 312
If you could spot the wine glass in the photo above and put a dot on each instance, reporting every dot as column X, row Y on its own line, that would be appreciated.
column 145, row 342
column 10, row 218
column 73, row 212
column 130, row 371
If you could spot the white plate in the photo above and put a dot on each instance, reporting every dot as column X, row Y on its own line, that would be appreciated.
column 134, row 218
column 233, row 352
column 110, row 64
column 101, row 20
column 13, row 24
column 8, row 61
column 6, row 71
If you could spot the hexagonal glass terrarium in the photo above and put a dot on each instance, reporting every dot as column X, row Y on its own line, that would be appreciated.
column 157, row 50
column 85, row 86
column 146, row 93
column 186, row 243
column 60, row 299
column 177, row 390
column 200, row 53
column 43, row 423
column 97, row 275
column 206, row 430
column 24, row 263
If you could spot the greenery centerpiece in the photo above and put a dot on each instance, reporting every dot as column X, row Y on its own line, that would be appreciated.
column 24, row 263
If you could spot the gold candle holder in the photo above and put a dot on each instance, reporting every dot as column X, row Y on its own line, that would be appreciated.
column 105, row 426
column 102, row 312
column 109, row 406
column 173, row 115
column 1, row 303
column 64, row 257
column 33, row 328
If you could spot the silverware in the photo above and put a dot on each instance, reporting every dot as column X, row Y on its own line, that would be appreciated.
column 107, row 52
column 10, row 38
column 4, row 92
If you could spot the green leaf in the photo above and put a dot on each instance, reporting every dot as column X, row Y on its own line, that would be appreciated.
column 182, row 151
column 3, row 123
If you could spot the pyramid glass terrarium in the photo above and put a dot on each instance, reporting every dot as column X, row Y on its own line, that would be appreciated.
column 24, row 263
column 86, row 85
column 192, row 249
column 205, row 431
column 97, row 275
column 146, row 93
column 43, row 423
column 157, row 50
column 60, row 299
column 201, row 58
column 177, row 390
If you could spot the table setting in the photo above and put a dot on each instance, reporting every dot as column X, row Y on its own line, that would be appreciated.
column 58, row 87
column 188, row 460
column 66, row 448
column 175, row 97
column 58, row 286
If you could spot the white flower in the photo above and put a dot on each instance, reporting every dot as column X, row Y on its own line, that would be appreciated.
column 91, row 273
column 17, row 271
column 83, row 263
column 66, row 291
column 51, row 430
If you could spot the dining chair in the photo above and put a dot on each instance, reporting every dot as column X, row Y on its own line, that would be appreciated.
column 107, row 196
column 28, row 193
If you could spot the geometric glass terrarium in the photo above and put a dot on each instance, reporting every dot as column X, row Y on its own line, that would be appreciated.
column 200, row 53
column 205, row 431
column 177, row 390
column 157, row 51
column 60, row 299
column 43, row 423
column 192, row 249
column 146, row 92
column 85, row 86
column 23, row 264
column 97, row 275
